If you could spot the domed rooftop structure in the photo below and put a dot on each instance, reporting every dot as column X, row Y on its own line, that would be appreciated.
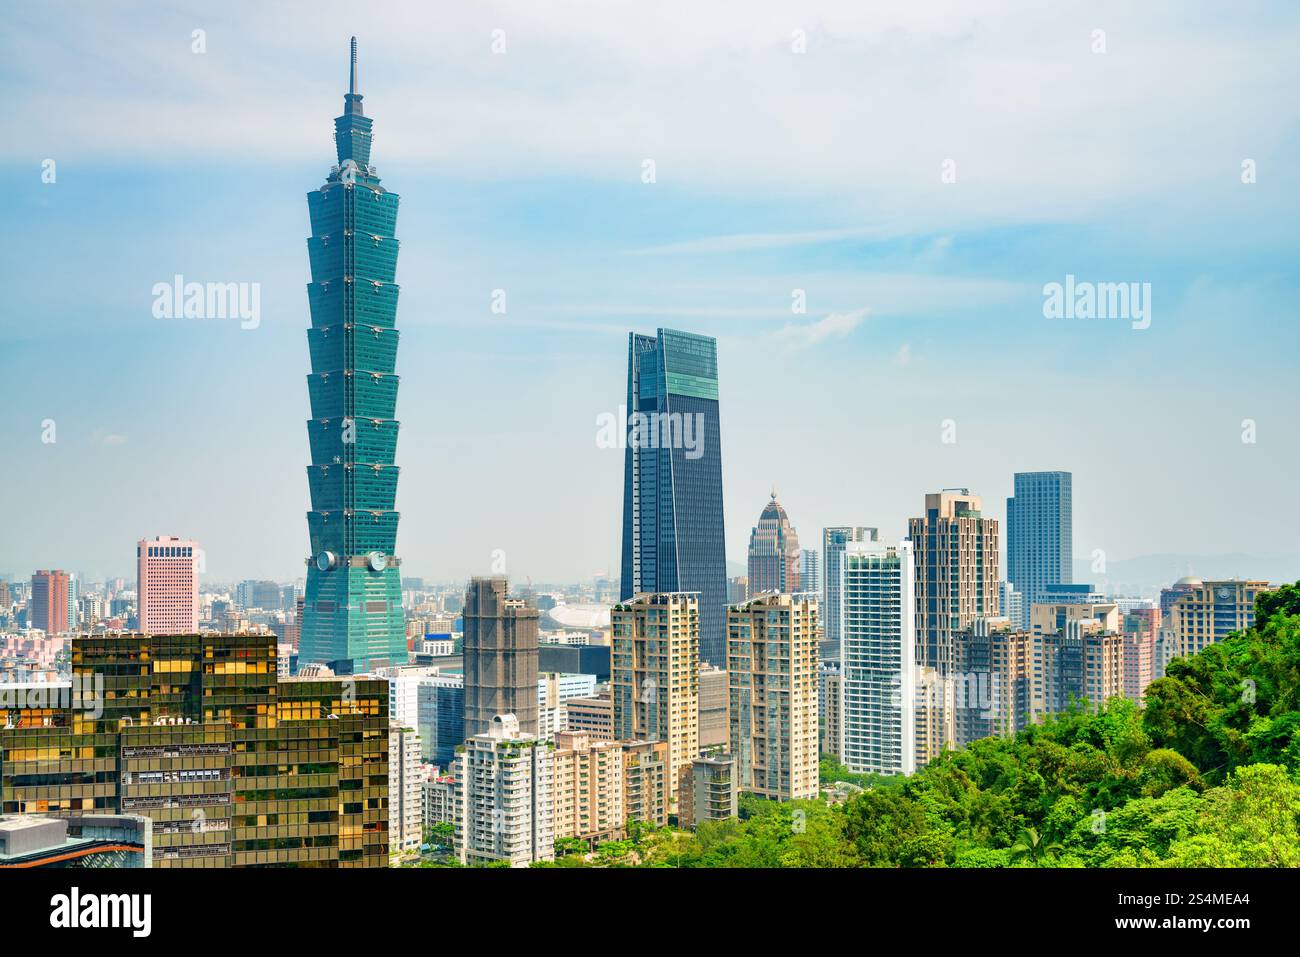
column 1190, row 581
column 773, row 552
column 773, row 510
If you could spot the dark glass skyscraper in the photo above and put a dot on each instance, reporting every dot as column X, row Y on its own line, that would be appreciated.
column 672, row 478
column 352, row 615
column 1040, row 535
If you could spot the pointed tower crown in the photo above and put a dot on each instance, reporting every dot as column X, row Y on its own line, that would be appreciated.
column 352, row 129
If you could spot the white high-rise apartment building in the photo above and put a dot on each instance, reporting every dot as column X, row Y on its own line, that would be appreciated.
column 834, row 540
column 74, row 605
column 878, row 658
column 404, row 685
column 439, row 800
column 405, row 783
column 505, row 784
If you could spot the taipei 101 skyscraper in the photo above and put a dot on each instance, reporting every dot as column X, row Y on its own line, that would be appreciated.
column 352, row 613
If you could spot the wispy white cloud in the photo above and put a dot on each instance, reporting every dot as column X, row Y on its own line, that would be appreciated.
column 833, row 326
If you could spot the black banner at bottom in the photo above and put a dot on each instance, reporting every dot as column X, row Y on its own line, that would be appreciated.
column 369, row 907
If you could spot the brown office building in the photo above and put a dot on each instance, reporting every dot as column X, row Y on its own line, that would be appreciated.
column 956, row 551
column 500, row 657
column 593, row 716
column 48, row 604
column 235, row 767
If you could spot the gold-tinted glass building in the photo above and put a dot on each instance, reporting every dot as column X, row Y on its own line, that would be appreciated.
column 235, row 767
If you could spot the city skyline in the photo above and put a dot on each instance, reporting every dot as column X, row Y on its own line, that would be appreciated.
column 897, row 262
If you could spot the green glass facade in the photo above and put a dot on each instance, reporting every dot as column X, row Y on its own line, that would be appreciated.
column 352, row 612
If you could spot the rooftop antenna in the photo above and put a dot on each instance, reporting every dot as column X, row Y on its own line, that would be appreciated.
column 352, row 78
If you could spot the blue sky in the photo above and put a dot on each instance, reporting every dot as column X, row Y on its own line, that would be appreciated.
column 775, row 171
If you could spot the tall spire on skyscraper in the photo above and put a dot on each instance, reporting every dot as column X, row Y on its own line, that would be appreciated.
column 352, row 100
column 352, row 611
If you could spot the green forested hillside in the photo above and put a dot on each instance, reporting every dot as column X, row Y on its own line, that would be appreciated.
column 1206, row 775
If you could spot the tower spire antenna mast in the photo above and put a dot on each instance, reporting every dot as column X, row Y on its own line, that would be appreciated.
column 352, row 99
column 352, row 610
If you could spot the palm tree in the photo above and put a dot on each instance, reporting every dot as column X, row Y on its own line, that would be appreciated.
column 1029, row 846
